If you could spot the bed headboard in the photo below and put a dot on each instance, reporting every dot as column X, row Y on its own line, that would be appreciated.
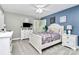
column 56, row 28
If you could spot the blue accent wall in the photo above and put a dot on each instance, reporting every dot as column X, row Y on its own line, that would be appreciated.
column 72, row 18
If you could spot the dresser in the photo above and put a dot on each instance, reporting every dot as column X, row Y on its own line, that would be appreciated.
column 25, row 33
column 70, row 41
column 6, row 43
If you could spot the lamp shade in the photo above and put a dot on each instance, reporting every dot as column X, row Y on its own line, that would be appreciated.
column 69, row 27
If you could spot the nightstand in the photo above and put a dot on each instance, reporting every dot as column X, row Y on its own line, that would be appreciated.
column 70, row 41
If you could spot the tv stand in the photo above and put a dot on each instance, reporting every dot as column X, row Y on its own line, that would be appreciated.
column 25, row 32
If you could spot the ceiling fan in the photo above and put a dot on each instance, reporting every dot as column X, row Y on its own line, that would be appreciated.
column 40, row 8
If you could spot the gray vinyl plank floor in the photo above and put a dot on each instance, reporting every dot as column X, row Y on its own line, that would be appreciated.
column 22, row 47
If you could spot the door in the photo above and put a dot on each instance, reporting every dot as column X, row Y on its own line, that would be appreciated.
column 36, row 25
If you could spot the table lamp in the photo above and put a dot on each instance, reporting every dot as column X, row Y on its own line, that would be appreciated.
column 69, row 28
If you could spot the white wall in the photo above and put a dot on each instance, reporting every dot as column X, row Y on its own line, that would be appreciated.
column 1, row 18
column 14, row 22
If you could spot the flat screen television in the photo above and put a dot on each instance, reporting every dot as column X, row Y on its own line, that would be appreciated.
column 27, row 24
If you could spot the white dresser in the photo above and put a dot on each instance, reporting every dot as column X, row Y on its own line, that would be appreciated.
column 5, row 43
column 25, row 33
column 70, row 41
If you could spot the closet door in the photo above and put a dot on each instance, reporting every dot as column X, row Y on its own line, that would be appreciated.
column 42, row 25
column 1, row 20
column 36, row 24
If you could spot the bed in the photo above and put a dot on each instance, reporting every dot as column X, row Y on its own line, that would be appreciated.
column 43, row 40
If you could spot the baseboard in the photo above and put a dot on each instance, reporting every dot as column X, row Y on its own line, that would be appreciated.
column 16, row 39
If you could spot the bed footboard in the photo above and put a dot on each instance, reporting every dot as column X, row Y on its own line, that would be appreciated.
column 36, row 42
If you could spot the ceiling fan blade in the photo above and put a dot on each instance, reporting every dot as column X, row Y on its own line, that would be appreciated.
column 45, row 9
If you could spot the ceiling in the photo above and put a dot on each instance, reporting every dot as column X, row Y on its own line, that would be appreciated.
column 29, row 9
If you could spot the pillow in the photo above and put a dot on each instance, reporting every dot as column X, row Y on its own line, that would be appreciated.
column 50, row 31
column 54, row 28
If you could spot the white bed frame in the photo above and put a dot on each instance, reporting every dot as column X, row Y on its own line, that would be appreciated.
column 36, row 41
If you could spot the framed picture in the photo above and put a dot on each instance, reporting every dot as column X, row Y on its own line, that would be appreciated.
column 62, row 19
column 52, row 20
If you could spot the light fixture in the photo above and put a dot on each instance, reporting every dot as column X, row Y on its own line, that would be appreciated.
column 40, row 8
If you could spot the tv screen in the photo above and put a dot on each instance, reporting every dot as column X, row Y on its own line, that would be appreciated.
column 27, row 24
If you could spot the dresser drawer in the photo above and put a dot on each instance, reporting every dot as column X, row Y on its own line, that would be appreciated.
column 68, row 38
column 25, row 33
column 69, row 42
